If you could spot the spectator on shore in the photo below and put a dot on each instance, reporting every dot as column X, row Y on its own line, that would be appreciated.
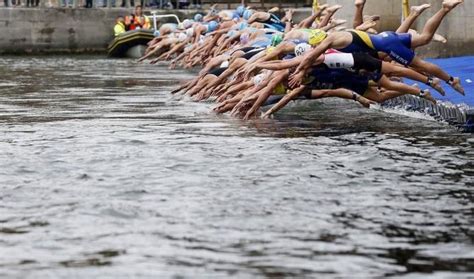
column 137, row 20
column 6, row 3
column 197, row 4
column 132, row 3
column 89, row 4
column 32, row 3
column 119, row 27
column 183, row 4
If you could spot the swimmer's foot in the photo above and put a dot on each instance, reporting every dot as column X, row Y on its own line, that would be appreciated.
column 337, row 22
column 451, row 4
column 418, row 10
column 323, row 7
column 359, row 3
column 425, row 94
column 455, row 83
column 334, row 8
column 440, row 39
column 372, row 18
column 372, row 31
column 365, row 102
column 341, row 28
column 367, row 25
column 435, row 83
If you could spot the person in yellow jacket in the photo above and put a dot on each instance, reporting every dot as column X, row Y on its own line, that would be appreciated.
column 119, row 27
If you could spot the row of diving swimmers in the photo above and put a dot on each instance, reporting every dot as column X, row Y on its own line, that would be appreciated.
column 253, row 58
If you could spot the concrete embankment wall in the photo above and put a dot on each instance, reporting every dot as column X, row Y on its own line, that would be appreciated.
column 53, row 30
column 56, row 30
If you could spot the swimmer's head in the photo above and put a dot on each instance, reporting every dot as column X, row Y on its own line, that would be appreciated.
column 258, row 79
column 247, row 14
column 301, row 49
column 240, row 10
column 212, row 26
column 156, row 33
column 187, row 23
column 242, row 25
column 270, row 49
column 231, row 33
column 317, row 36
column 198, row 17
column 244, row 38
column 225, row 64
column 276, row 39
column 190, row 32
column 182, row 37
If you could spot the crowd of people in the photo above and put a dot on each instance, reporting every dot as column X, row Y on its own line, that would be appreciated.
column 253, row 58
column 158, row 4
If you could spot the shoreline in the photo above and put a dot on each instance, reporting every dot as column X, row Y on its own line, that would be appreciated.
column 60, row 30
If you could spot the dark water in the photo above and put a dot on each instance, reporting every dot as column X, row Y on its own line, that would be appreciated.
column 104, row 174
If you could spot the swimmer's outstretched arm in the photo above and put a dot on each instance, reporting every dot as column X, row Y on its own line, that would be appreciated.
column 310, row 58
column 278, row 77
column 285, row 100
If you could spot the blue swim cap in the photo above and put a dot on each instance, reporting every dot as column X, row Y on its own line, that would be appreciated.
column 235, row 16
column 243, row 25
column 247, row 14
column 231, row 33
column 240, row 10
column 156, row 33
column 212, row 26
column 198, row 17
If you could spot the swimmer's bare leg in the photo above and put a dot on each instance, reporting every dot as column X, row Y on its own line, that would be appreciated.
column 330, row 12
column 398, row 71
column 359, row 13
column 432, row 69
column 415, row 12
column 433, row 24
column 405, row 88
column 369, row 24
column 308, row 22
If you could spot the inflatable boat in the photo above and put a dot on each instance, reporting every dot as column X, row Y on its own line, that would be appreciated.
column 130, row 44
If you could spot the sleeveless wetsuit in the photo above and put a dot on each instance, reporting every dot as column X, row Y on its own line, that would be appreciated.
column 274, row 22
column 397, row 46
column 324, row 78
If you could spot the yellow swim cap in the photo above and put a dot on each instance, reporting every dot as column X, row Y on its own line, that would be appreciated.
column 316, row 36
column 280, row 89
column 270, row 49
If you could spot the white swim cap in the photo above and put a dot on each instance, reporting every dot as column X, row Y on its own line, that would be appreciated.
column 190, row 32
column 187, row 23
column 182, row 37
column 258, row 79
column 301, row 49
column 225, row 64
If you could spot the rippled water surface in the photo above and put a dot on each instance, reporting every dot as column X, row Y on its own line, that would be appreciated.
column 104, row 174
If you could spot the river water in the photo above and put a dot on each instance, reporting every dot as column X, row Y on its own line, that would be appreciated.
column 104, row 174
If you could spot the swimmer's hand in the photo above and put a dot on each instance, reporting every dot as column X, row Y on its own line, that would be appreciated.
column 250, row 71
column 296, row 79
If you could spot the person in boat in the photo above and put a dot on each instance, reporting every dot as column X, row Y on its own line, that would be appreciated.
column 119, row 27
column 137, row 20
